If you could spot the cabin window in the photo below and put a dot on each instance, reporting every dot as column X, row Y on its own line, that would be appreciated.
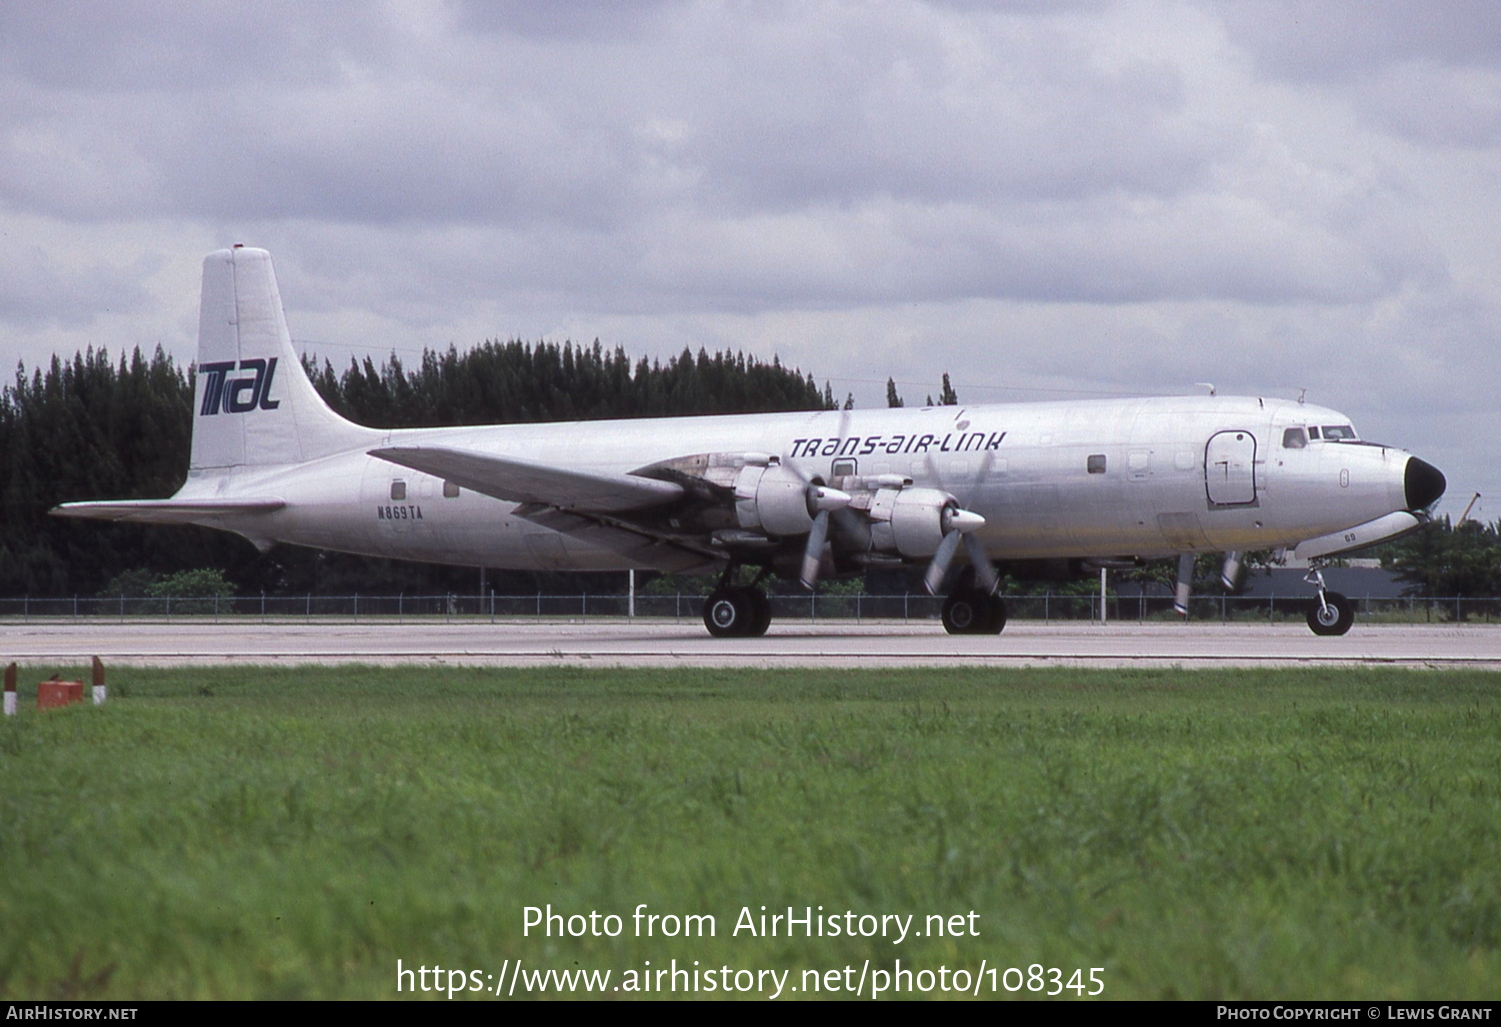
column 1294, row 438
column 1096, row 463
column 398, row 489
column 843, row 468
column 1339, row 433
column 450, row 490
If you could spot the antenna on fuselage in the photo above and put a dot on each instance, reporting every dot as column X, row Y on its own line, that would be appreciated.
column 1206, row 385
column 1302, row 395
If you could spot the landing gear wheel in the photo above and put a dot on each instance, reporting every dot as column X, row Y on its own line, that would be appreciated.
column 760, row 612
column 997, row 615
column 729, row 613
column 1333, row 616
column 969, row 611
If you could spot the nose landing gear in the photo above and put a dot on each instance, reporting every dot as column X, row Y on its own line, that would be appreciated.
column 1330, row 613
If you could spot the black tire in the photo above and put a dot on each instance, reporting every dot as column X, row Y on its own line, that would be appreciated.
column 997, row 622
column 1336, row 619
column 729, row 613
column 760, row 612
column 966, row 611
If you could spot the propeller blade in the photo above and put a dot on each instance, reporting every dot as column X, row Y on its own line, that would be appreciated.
column 985, row 575
column 813, row 554
column 939, row 568
column 1185, row 584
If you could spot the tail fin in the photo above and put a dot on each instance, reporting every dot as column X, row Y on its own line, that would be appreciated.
column 253, row 405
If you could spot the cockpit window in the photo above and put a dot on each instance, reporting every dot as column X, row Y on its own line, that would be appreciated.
column 1339, row 433
column 1313, row 433
column 1294, row 438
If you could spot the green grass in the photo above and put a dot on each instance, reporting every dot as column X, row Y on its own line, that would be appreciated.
column 251, row 832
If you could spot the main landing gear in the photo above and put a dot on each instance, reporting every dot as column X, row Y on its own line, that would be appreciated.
column 737, row 611
column 1330, row 613
column 970, row 610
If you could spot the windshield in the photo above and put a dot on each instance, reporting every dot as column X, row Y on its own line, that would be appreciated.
column 1339, row 433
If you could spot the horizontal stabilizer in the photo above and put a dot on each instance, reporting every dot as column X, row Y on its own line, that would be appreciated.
column 166, row 511
column 521, row 481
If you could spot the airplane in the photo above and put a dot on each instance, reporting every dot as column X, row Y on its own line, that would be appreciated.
column 1095, row 484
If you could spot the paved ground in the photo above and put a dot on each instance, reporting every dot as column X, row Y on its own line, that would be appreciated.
column 667, row 643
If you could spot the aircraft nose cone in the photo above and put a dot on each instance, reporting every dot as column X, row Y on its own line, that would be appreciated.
column 1423, row 483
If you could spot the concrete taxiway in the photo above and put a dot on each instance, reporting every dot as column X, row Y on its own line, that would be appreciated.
column 601, row 642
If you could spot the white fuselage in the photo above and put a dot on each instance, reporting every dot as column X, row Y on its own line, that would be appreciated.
column 1136, row 477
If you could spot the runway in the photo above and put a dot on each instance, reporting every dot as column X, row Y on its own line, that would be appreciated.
column 667, row 643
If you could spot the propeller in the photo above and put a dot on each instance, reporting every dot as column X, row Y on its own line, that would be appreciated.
column 957, row 524
column 822, row 501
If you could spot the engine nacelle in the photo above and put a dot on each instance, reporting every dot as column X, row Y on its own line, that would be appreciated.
column 910, row 521
column 773, row 500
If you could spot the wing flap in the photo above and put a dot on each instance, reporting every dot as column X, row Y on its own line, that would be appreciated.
column 522, row 481
column 641, row 546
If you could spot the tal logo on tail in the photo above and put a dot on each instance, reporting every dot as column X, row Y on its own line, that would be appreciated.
column 241, row 394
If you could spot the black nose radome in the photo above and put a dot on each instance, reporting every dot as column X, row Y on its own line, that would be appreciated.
column 1423, row 482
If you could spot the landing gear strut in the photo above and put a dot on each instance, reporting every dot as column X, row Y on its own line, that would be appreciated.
column 1330, row 613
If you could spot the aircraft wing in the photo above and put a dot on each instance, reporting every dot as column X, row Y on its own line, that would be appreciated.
column 522, row 481
column 166, row 511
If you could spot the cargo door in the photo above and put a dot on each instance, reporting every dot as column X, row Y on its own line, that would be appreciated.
column 1230, row 468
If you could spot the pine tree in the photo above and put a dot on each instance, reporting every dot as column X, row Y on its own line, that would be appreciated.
column 948, row 397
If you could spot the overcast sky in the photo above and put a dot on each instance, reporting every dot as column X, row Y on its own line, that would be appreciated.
column 1048, row 200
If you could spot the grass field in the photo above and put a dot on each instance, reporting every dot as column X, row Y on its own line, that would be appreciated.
column 249, row 832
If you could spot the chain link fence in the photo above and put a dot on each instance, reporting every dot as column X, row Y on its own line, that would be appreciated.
column 688, row 606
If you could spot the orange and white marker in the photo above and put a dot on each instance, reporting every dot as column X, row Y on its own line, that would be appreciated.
column 10, row 690
column 98, row 682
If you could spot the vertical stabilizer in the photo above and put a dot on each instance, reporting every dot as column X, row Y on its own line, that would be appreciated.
column 252, row 404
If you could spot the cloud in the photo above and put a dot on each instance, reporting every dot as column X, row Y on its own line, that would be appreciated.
column 1095, row 196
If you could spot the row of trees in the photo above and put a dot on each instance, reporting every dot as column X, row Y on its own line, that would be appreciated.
column 93, row 428
column 1444, row 559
